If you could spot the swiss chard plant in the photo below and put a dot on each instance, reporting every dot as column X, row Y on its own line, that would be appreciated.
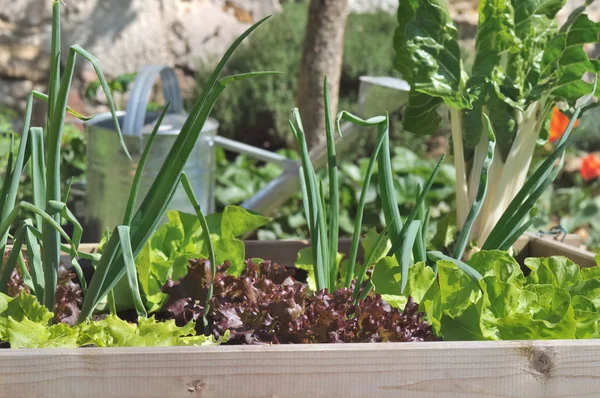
column 524, row 66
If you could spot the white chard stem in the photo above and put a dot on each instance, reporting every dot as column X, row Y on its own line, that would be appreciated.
column 462, row 193
column 514, row 170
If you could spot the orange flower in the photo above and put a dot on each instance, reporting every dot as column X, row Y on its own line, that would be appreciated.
column 590, row 167
column 558, row 124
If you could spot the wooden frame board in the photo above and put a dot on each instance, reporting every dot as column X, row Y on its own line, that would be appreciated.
column 285, row 252
column 528, row 369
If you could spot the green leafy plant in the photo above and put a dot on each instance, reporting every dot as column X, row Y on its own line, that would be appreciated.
column 41, row 236
column 24, row 324
column 167, row 253
column 323, row 223
column 556, row 300
column 524, row 65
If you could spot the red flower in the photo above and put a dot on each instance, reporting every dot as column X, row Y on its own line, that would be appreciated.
column 558, row 124
column 590, row 168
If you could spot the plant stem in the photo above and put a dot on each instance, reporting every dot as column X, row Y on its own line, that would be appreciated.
column 462, row 194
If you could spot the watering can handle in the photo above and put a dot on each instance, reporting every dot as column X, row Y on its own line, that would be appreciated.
column 135, row 111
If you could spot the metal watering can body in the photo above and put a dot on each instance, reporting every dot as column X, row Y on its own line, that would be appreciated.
column 110, row 173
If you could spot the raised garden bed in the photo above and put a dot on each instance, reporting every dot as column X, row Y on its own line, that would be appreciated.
column 529, row 369
column 187, row 283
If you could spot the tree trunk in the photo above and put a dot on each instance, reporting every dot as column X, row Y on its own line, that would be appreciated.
column 321, row 56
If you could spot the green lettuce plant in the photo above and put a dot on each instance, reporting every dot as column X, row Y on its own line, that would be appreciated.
column 557, row 300
column 524, row 65
column 24, row 323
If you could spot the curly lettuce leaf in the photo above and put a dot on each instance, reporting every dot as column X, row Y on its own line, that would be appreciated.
column 387, row 276
column 29, row 334
column 24, row 306
column 587, row 318
column 498, row 264
column 168, row 251
column 114, row 332
column 24, row 323
column 557, row 300
column 556, row 271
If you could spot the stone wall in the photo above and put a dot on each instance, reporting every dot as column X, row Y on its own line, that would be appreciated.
column 123, row 34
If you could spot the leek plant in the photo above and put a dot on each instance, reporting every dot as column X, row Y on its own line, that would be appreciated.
column 524, row 66
column 41, row 236
column 408, row 236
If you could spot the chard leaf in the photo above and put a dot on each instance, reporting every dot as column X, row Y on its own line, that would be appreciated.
column 428, row 57
column 495, row 35
column 421, row 113
column 565, row 61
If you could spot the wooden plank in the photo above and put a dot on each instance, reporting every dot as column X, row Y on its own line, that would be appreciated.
column 533, row 369
column 285, row 252
column 545, row 247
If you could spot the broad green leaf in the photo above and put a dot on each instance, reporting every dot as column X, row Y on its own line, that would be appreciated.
column 458, row 289
column 305, row 262
column 387, row 276
column 428, row 57
column 28, row 334
column 463, row 326
column 587, row 318
column 556, row 271
column 375, row 246
column 498, row 264
column 234, row 222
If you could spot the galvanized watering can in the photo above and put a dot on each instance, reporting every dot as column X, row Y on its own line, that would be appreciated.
column 110, row 173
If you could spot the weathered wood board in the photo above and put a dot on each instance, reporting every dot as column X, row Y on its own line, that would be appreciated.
column 528, row 369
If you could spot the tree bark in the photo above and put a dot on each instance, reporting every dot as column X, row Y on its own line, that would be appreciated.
column 321, row 56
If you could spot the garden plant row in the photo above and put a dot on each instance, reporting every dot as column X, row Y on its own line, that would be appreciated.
column 188, row 282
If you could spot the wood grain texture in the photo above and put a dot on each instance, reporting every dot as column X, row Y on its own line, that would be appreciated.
column 451, row 370
column 549, row 247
